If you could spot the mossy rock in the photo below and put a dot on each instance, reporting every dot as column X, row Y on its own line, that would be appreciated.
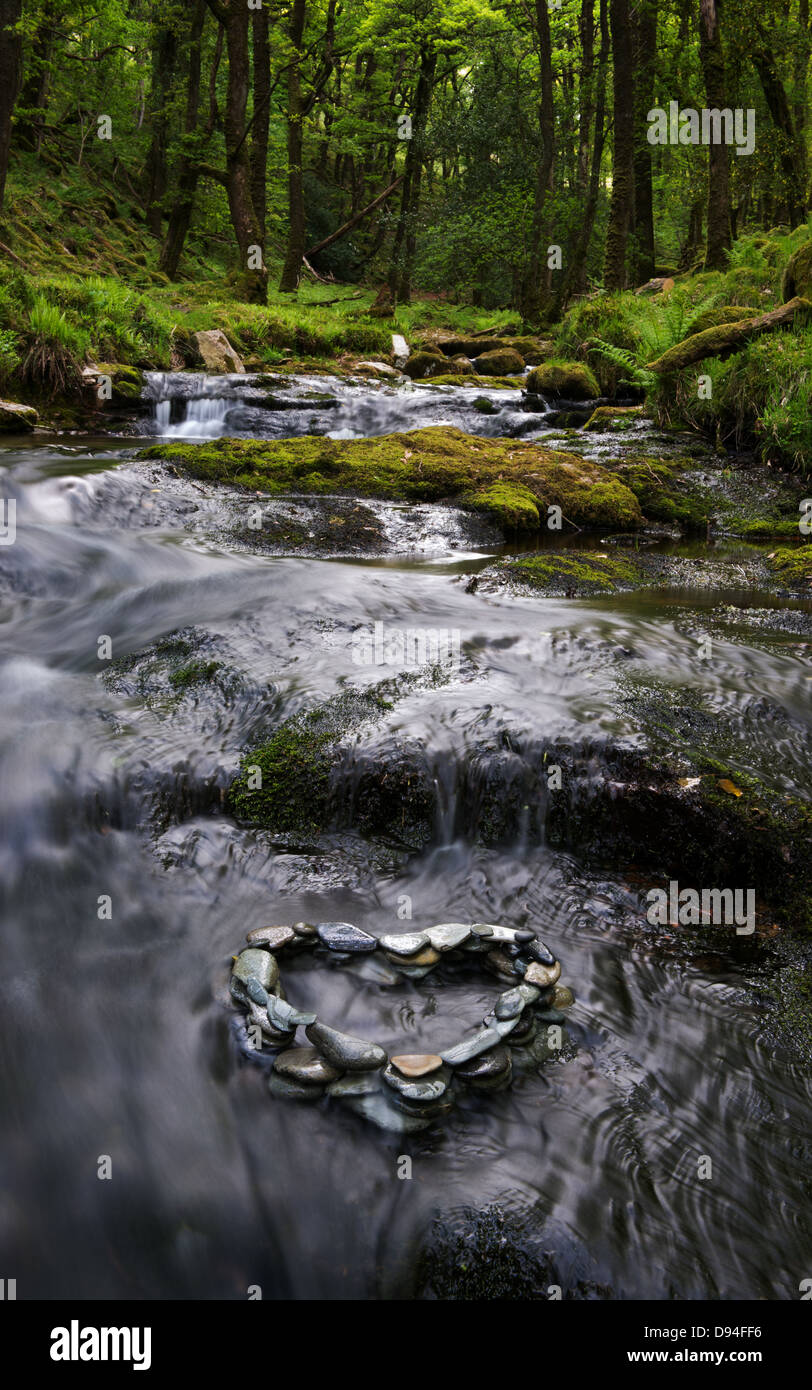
column 126, row 383
column 16, row 418
column 793, row 566
column 533, row 350
column 501, row 383
column 572, row 572
column 572, row 381
column 471, row 347
column 514, row 481
column 425, row 364
column 715, row 318
column 797, row 277
column 500, row 362
column 608, row 418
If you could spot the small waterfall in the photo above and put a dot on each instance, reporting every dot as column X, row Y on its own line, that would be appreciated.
column 201, row 418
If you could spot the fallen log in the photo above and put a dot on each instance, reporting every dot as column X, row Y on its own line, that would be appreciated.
column 353, row 222
column 726, row 338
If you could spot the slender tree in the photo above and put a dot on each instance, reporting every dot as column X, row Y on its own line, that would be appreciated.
column 622, row 205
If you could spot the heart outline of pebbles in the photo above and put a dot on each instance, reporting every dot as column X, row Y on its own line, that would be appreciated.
column 402, row 1092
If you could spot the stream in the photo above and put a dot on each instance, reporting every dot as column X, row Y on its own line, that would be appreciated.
column 117, row 1035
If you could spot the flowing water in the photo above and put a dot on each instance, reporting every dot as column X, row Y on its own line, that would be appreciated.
column 116, row 1035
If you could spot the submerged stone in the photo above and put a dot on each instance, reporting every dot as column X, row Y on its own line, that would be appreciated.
column 293, row 1090
column 359, row 1083
column 383, row 1113
column 282, row 1015
column 305, row 1064
column 494, row 1063
column 422, row 1091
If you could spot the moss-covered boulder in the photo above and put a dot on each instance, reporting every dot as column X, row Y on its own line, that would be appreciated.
column 512, row 481
column 425, row 364
column 470, row 347
column 16, row 418
column 797, row 279
column 572, row 572
column 793, row 566
column 119, row 384
column 608, row 418
column 572, row 381
column 533, row 350
column 501, row 362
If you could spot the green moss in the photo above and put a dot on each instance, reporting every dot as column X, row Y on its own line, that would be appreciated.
column 794, row 566
column 613, row 417
column 715, row 318
column 429, row 364
column 512, row 505
column 500, row 383
column 570, row 380
column 438, row 464
column 126, row 382
column 194, row 673
column 506, row 362
column 797, row 277
column 566, row 570
column 664, row 491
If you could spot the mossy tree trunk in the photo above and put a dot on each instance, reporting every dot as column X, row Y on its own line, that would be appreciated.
column 791, row 151
column 712, row 57
column 33, row 100
column 294, row 254
column 622, row 205
column 11, row 71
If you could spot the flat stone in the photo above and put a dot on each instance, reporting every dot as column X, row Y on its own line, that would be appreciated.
column 305, row 1064
column 273, row 937
column 542, row 975
column 345, row 1051
column 496, row 932
column 275, row 1037
column 431, row 1110
column 407, row 944
column 479, row 1042
column 538, row 951
column 283, row 1015
column 417, row 1063
column 503, row 1026
column 256, row 992
column 257, row 965
column 359, row 1083
column 551, row 1016
column 428, row 956
column 343, row 936
column 482, row 929
column 421, row 1091
column 305, row 929
column 448, row 935
column 293, row 1090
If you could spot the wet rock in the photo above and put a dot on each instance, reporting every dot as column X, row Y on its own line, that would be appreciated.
column 500, row 362
column 272, row 937
column 494, row 1063
column 305, row 1064
column 571, row 380
column 514, row 1001
column 542, row 975
column 343, row 936
column 282, row 1015
column 306, row 930
column 500, row 963
column 16, row 418
column 383, row 1113
column 563, row 997
column 414, row 972
column 502, row 1026
column 427, row 957
column 479, row 1042
column 422, row 1091
column 448, row 935
column 431, row 1110
column 255, row 964
column 538, row 951
column 283, row 1087
column 345, row 1051
column 424, row 364
column 359, row 1083
column 416, row 1064
column 407, row 944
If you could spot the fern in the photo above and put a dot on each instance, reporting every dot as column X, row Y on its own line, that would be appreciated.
column 626, row 360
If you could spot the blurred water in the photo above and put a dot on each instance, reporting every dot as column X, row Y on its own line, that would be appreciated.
column 114, row 1038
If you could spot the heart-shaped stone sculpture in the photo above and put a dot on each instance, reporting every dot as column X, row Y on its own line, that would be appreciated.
column 402, row 1092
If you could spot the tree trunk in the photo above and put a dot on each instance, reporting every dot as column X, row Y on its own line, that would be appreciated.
column 262, row 116
column 533, row 292
column 644, row 43
column 164, row 60
column 713, row 67
column 621, row 208
column 791, row 152
column 34, row 93
column 294, row 255
column 235, row 17
column 575, row 275
column 405, row 242
column 181, row 214
column 11, row 71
